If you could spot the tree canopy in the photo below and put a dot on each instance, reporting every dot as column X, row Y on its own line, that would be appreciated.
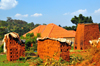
column 81, row 19
column 14, row 25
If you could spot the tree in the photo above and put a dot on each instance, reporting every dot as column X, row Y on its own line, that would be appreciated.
column 9, row 19
column 70, row 28
column 59, row 25
column 81, row 19
column 3, row 23
column 44, row 24
column 3, row 31
column 99, row 26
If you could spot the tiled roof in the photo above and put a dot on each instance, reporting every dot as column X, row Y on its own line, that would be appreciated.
column 53, row 31
column 72, row 31
column 36, row 30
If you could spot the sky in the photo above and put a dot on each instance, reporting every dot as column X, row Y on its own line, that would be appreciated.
column 58, row 12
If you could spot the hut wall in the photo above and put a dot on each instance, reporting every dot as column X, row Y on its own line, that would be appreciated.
column 52, row 49
column 14, row 50
column 64, row 47
column 48, row 49
column 84, row 33
column 98, row 46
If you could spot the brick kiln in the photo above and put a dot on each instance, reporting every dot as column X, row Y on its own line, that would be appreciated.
column 14, row 47
column 84, row 33
column 53, row 48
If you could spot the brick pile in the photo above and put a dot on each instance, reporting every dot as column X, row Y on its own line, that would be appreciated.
column 84, row 33
column 48, row 48
column 14, row 50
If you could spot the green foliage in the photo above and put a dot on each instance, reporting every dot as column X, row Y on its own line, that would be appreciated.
column 37, row 61
column 70, row 28
column 30, row 38
column 52, row 62
column 81, row 19
column 3, row 31
column 29, row 35
column 99, row 26
column 22, row 59
column 76, row 58
column 38, row 35
column 27, row 45
column 18, row 26
column 1, row 48
column 3, row 23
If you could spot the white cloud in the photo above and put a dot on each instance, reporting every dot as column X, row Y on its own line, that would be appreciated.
column 36, row 15
column 65, row 13
column 79, row 12
column 8, row 4
column 20, row 16
column 97, row 11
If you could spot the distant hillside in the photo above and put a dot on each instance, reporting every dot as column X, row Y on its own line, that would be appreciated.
column 13, row 25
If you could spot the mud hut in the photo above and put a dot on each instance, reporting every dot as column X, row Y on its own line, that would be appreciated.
column 53, row 48
column 13, row 46
column 84, row 33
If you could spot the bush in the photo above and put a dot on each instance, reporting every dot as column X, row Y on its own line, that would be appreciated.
column 38, row 35
column 1, row 48
column 29, row 35
column 22, row 59
column 27, row 45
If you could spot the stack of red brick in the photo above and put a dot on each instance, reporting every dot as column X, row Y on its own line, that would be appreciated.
column 49, row 48
column 14, row 50
column 84, row 33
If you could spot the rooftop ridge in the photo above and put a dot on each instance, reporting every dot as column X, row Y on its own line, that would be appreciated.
column 44, row 29
column 39, row 28
column 51, row 29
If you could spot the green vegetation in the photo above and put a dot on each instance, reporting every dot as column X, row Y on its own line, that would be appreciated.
column 13, row 25
column 3, row 30
column 4, row 62
column 30, row 39
column 31, row 58
column 81, row 19
column 1, row 48
column 21, row 27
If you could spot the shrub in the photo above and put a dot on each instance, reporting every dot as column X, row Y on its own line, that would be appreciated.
column 22, row 59
column 1, row 48
column 29, row 35
column 38, row 35
column 30, row 38
column 27, row 45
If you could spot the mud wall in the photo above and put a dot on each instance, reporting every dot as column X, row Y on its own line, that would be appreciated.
column 84, row 33
column 52, row 49
column 65, row 51
column 14, row 50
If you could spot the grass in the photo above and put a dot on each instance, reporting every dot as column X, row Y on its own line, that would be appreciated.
column 36, row 61
column 4, row 62
column 22, row 61
column 13, row 64
column 75, row 50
